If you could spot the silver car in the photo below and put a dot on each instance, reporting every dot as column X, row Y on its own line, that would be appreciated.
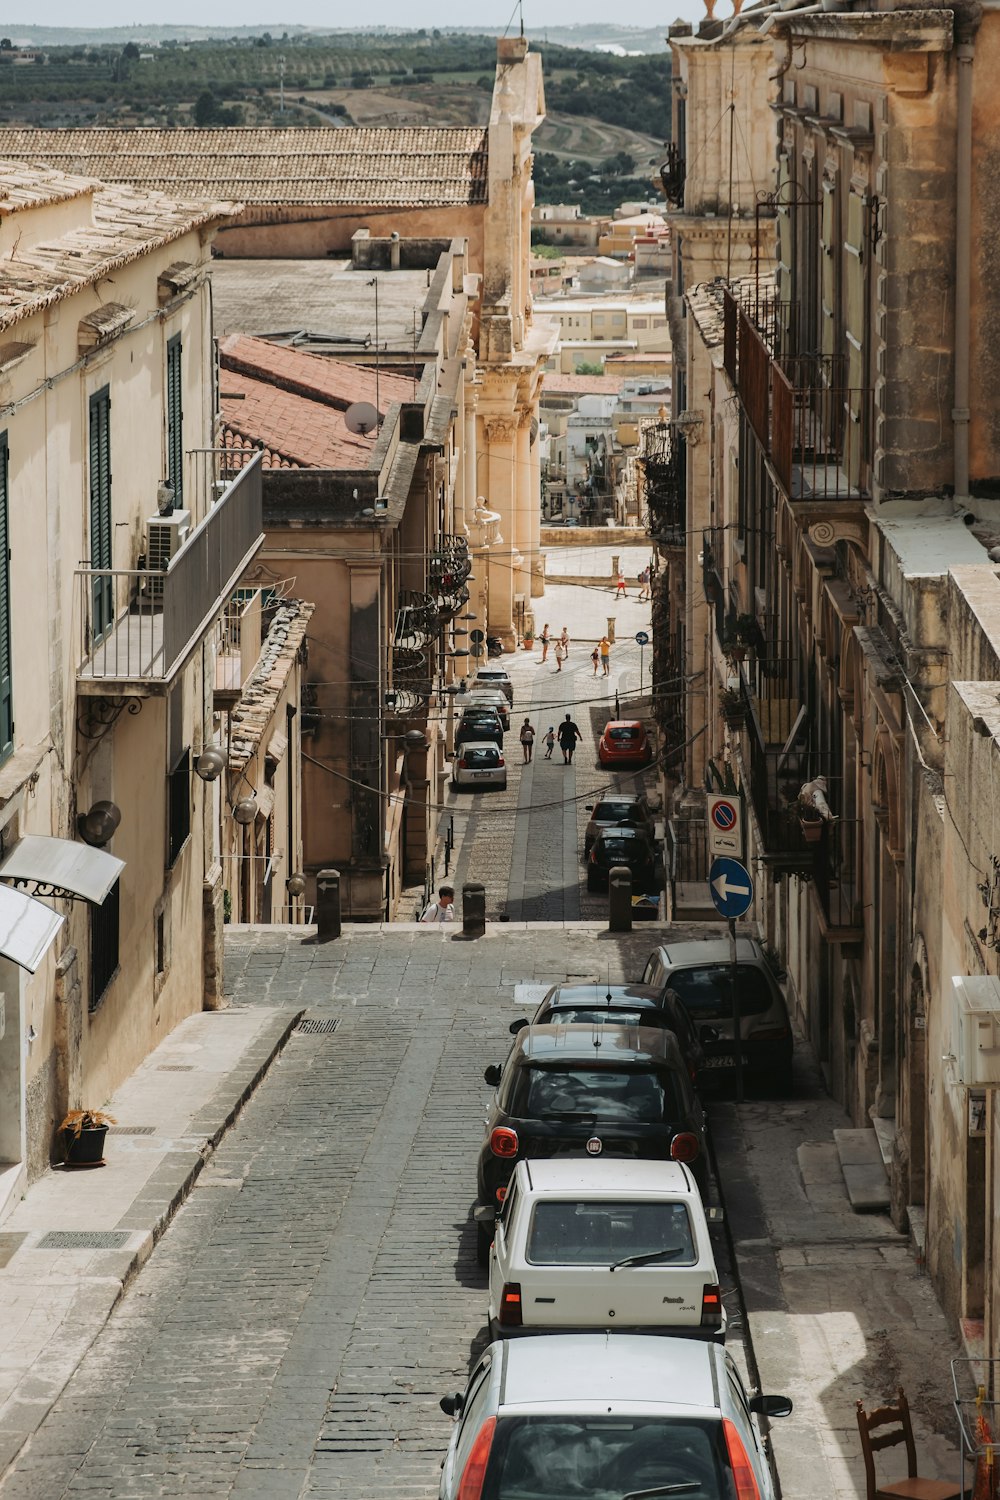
column 494, row 677
column 611, row 1416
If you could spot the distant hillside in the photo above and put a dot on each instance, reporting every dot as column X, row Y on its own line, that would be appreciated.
column 588, row 37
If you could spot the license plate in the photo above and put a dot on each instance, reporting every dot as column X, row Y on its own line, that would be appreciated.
column 482, row 775
column 725, row 1061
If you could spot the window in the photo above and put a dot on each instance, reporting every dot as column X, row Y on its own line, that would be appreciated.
column 6, row 694
column 595, row 1232
column 102, row 584
column 639, row 323
column 103, row 946
column 175, row 418
column 178, row 805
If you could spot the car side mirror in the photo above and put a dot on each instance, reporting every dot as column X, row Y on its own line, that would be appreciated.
column 492, row 1075
column 452, row 1405
column 708, row 1033
column 771, row 1406
column 518, row 1025
column 485, row 1214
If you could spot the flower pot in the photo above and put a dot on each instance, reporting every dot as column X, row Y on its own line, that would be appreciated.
column 86, row 1148
column 812, row 829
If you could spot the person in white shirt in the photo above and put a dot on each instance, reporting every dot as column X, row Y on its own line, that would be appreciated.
column 443, row 909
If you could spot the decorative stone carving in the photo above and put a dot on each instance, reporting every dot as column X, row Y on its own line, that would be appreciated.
column 829, row 531
column 500, row 429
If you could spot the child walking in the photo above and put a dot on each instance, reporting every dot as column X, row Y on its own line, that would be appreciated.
column 550, row 741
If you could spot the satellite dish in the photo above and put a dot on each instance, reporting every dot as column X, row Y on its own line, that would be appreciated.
column 361, row 417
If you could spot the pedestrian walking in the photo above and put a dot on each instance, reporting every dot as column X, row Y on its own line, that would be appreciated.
column 605, row 649
column 644, row 578
column 569, row 734
column 527, row 739
column 443, row 909
column 550, row 741
column 595, row 657
column 545, row 642
column 564, row 639
column 621, row 592
column 560, row 654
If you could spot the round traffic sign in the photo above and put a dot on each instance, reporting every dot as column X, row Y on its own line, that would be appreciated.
column 641, row 638
column 731, row 887
column 477, row 637
column 724, row 816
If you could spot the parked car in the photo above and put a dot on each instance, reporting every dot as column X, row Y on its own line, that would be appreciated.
column 624, row 742
column 479, row 724
column 593, row 1244
column 623, row 846
column 619, row 810
column 483, row 697
column 576, row 1090
column 619, row 1005
column 479, row 764
column 610, row 1416
column 495, row 677
column 700, row 972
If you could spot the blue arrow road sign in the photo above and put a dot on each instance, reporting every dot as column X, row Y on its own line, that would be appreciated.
column 731, row 887
column 641, row 638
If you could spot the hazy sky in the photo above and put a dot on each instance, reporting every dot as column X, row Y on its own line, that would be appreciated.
column 275, row 15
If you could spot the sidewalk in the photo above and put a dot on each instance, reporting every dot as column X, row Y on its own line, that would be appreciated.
column 77, row 1238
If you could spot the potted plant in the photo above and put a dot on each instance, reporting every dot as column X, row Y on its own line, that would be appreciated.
column 811, row 823
column 83, row 1132
column 733, row 707
column 739, row 633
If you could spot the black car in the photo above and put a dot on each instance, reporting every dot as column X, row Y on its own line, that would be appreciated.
column 700, row 973
column 618, row 810
column 623, row 846
column 619, row 1091
column 477, row 725
column 619, row 1005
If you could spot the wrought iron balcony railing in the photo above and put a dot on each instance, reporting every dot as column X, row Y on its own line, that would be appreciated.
column 673, row 174
column 416, row 622
column 448, row 566
column 664, row 468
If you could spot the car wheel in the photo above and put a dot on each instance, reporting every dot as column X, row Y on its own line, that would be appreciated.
column 484, row 1239
column 503, row 785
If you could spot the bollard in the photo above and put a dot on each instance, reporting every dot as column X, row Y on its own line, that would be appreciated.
column 611, row 629
column 619, row 899
column 473, row 909
column 615, row 569
column 327, row 905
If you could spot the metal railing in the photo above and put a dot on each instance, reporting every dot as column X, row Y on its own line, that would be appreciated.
column 155, row 617
column 673, row 174
column 240, row 631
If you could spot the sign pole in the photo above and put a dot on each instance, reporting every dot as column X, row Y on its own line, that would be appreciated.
column 737, row 1038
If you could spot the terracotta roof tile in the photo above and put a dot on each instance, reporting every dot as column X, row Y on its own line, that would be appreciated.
column 420, row 167
column 334, row 382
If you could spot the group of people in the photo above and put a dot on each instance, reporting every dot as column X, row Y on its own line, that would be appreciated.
column 567, row 737
column 561, row 645
column 643, row 580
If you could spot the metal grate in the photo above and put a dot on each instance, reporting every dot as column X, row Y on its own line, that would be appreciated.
column 84, row 1239
column 175, row 1068
column 317, row 1028
column 131, row 1129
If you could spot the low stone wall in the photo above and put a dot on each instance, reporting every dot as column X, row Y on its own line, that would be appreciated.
column 594, row 536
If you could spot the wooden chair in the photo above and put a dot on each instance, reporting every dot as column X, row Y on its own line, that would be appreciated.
column 895, row 1418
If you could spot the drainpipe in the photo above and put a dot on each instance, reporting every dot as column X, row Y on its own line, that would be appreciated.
column 964, row 52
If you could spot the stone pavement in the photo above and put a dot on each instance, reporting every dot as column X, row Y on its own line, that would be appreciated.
column 289, row 1336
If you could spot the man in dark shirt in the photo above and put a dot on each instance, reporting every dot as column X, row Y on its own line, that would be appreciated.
column 568, row 736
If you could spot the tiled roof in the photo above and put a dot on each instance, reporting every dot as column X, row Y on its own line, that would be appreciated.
column 293, row 403
column 419, row 167
column 122, row 225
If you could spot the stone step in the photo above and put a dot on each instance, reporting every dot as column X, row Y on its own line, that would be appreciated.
column 864, row 1170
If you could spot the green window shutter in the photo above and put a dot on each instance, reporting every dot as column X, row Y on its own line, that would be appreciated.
column 175, row 420
column 102, row 587
column 828, row 261
column 6, row 692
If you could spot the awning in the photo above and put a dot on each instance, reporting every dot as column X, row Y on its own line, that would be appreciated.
column 27, row 927
column 62, row 867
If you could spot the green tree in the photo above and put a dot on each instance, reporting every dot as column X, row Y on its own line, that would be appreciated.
column 205, row 109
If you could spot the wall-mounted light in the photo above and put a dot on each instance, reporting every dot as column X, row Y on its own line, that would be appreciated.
column 210, row 764
column 97, row 826
column 295, row 885
column 245, row 810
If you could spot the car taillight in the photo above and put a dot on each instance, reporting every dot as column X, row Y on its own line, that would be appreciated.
column 501, row 1195
column 593, row 855
column 462, row 763
column 684, row 1147
column 770, row 1033
column 711, row 1306
column 743, row 1475
column 500, row 760
column 510, row 1305
column 474, row 1473
column 503, row 1141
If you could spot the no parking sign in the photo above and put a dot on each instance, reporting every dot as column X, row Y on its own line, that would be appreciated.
column 725, row 825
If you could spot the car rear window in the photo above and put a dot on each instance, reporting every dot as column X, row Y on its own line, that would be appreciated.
column 616, row 812
column 481, row 755
column 599, row 1233
column 590, row 1015
column 626, row 732
column 707, row 992
column 624, row 849
column 630, row 1095
column 606, row 1457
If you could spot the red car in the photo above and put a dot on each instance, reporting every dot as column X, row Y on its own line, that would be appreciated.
column 624, row 742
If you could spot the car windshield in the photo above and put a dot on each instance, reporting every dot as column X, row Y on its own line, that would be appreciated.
column 614, row 1015
column 624, row 732
column 615, row 850
column 708, row 995
column 616, row 812
column 600, row 1233
column 481, row 755
column 605, row 1458
column 634, row 1095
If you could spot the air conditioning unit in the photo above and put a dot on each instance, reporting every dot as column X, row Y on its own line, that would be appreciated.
column 165, row 536
column 977, row 1037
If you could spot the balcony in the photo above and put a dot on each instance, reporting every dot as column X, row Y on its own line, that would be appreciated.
column 673, row 174
column 414, row 631
column 238, row 646
column 448, row 566
column 664, row 467
column 138, row 627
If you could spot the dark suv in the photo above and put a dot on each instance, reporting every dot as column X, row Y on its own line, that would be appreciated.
column 476, row 726
column 623, row 846
column 587, row 1091
column 618, row 809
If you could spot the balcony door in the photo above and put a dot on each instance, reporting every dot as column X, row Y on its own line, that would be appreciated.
column 101, row 582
